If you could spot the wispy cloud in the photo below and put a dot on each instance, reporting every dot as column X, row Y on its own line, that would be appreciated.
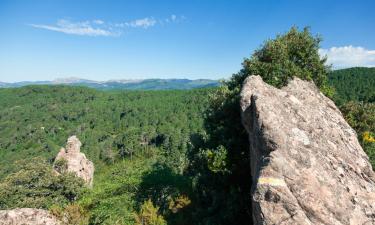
column 143, row 23
column 77, row 28
column 173, row 19
column 102, row 28
column 349, row 56
column 98, row 22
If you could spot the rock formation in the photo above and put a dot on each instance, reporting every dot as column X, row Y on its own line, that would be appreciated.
column 29, row 216
column 307, row 165
column 77, row 161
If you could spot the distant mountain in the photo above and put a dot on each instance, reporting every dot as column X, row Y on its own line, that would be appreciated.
column 147, row 84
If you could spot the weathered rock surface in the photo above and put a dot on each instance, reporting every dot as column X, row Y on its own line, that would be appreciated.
column 29, row 216
column 77, row 161
column 307, row 165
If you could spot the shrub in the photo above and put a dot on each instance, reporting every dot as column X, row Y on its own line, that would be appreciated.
column 72, row 214
column 61, row 165
column 148, row 215
column 293, row 54
column 37, row 185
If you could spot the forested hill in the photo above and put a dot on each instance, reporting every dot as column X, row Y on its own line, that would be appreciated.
column 147, row 84
column 125, row 133
column 353, row 84
column 37, row 120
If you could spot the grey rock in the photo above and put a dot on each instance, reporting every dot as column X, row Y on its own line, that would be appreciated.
column 306, row 162
column 29, row 216
column 77, row 161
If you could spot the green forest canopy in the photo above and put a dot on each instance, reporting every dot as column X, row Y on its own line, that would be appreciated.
column 127, row 134
column 353, row 84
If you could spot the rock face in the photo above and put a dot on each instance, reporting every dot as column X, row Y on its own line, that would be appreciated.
column 27, row 216
column 77, row 161
column 307, row 165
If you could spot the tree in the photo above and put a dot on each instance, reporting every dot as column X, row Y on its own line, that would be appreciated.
column 293, row 54
column 148, row 215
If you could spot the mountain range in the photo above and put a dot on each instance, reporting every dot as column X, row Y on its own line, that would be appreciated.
column 141, row 84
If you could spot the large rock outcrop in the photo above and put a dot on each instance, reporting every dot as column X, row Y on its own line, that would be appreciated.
column 29, row 216
column 307, row 165
column 77, row 161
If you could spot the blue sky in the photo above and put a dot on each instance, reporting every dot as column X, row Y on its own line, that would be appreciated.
column 102, row 40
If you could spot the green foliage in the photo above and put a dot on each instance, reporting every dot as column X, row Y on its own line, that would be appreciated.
column 293, row 54
column 353, row 84
column 219, row 161
column 113, row 199
column 148, row 215
column 36, row 185
column 107, row 155
column 161, row 184
column 72, row 214
column 361, row 117
column 61, row 165
column 216, row 160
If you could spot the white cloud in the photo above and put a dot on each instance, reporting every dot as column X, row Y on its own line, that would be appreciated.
column 101, row 28
column 77, row 28
column 100, row 22
column 174, row 19
column 143, row 23
column 349, row 56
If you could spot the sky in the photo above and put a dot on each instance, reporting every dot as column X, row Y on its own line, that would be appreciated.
column 106, row 40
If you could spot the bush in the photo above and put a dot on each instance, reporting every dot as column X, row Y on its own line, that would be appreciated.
column 61, row 165
column 148, row 215
column 72, row 214
column 293, row 54
column 37, row 185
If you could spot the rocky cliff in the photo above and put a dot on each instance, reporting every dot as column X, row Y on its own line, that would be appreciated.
column 76, row 161
column 307, row 165
column 27, row 216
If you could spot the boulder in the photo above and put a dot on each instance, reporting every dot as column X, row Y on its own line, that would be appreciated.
column 76, row 160
column 29, row 216
column 306, row 162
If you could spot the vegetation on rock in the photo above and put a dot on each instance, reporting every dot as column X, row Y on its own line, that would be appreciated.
column 36, row 185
